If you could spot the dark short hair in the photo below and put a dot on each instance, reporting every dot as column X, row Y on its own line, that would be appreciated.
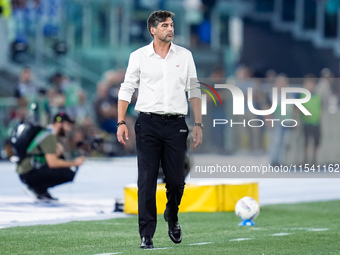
column 157, row 17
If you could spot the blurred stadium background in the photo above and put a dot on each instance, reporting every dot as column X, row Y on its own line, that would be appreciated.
column 71, row 55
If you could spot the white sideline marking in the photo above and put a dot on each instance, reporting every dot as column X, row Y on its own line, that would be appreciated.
column 200, row 243
column 308, row 229
column 241, row 239
column 280, row 234
column 108, row 253
column 317, row 229
column 160, row 248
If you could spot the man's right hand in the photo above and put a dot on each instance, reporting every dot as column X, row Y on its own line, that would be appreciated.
column 79, row 161
column 122, row 134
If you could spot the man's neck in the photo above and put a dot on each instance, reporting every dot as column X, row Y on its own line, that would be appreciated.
column 161, row 48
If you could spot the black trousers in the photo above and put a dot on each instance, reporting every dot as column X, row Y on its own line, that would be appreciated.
column 159, row 141
column 43, row 178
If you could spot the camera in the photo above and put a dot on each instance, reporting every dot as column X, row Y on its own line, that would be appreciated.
column 91, row 143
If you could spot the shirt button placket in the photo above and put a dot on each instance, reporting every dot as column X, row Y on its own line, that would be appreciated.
column 165, row 85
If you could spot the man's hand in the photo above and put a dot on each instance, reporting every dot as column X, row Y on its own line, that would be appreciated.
column 197, row 132
column 60, row 149
column 197, row 136
column 54, row 162
column 122, row 134
column 79, row 161
column 122, row 130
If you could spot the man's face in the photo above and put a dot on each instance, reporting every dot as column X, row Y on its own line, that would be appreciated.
column 164, row 31
column 26, row 75
column 65, row 127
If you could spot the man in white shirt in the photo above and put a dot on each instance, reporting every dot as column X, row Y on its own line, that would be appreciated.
column 163, row 73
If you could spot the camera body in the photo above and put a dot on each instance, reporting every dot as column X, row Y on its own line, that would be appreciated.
column 91, row 143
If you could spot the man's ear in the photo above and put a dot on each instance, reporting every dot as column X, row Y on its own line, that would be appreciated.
column 153, row 30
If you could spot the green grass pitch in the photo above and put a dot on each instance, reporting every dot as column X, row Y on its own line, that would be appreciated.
column 305, row 228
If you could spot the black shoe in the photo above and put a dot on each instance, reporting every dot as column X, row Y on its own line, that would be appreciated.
column 175, row 232
column 42, row 196
column 31, row 192
column 146, row 242
column 47, row 197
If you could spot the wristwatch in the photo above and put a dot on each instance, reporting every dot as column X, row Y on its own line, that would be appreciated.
column 199, row 124
column 122, row 122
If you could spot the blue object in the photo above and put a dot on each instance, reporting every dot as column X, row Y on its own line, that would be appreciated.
column 246, row 223
column 204, row 31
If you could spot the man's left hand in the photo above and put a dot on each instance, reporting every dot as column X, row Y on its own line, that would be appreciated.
column 197, row 136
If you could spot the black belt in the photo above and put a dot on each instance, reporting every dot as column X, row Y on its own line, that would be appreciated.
column 163, row 116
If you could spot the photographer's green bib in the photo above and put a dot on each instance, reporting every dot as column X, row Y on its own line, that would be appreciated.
column 44, row 143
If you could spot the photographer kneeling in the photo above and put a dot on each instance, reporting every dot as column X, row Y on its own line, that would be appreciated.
column 43, row 167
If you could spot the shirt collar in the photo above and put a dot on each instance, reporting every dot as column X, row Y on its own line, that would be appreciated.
column 50, row 128
column 173, row 48
column 151, row 50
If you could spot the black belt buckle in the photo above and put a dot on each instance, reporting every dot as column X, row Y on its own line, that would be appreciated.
column 172, row 116
column 164, row 116
column 168, row 116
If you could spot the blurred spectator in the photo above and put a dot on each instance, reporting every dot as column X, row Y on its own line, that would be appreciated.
column 19, row 49
column 32, row 102
column 248, row 137
column 19, row 117
column 194, row 16
column 75, row 98
column 106, row 109
column 42, row 107
column 279, row 135
column 311, row 124
column 243, row 76
column 260, row 101
column 113, row 79
column 218, row 134
column 205, row 28
column 67, row 95
column 324, row 87
column 56, row 93
column 4, row 49
column 105, row 106
column 26, row 91
column 106, row 100
column 84, row 109
column 269, row 81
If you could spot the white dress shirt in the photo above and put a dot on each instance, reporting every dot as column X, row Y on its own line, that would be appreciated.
column 162, row 83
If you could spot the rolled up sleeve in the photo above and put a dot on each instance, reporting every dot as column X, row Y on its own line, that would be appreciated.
column 131, row 81
column 192, row 82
